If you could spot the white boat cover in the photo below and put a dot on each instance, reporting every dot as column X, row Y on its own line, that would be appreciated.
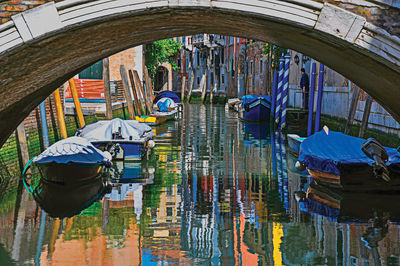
column 73, row 150
column 129, row 129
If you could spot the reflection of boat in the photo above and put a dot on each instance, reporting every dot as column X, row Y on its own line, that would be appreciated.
column 71, row 160
column 349, row 207
column 294, row 142
column 349, row 163
column 124, row 139
column 131, row 172
column 256, row 130
column 255, row 107
column 69, row 200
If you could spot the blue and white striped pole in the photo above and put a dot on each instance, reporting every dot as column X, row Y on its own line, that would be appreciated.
column 285, row 90
column 319, row 97
column 311, row 102
column 43, row 120
column 279, row 93
column 274, row 91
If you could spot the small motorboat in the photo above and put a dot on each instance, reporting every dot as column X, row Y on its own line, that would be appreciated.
column 124, row 139
column 167, row 101
column 255, row 108
column 232, row 103
column 67, row 200
column 349, row 163
column 294, row 142
column 70, row 160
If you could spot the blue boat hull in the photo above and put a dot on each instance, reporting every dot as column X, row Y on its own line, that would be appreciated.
column 258, row 110
column 131, row 151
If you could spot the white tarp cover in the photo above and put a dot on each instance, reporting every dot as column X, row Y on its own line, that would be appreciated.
column 72, row 150
column 103, row 130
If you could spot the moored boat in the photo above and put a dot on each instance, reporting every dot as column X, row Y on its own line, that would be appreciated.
column 71, row 160
column 124, row 139
column 232, row 103
column 294, row 142
column 167, row 101
column 349, row 163
column 255, row 108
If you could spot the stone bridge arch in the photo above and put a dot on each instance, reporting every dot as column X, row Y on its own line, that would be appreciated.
column 42, row 47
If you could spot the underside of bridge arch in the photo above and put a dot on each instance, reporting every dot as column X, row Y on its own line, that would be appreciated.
column 41, row 59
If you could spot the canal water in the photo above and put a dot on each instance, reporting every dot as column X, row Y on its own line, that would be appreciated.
column 216, row 191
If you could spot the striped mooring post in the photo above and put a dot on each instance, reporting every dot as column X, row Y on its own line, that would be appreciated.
column 285, row 90
column 319, row 97
column 274, row 89
column 42, row 108
column 279, row 93
column 311, row 102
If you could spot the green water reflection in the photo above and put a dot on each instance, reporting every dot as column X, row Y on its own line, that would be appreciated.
column 216, row 191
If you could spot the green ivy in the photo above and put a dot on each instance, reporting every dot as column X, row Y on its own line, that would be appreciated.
column 160, row 52
column 276, row 52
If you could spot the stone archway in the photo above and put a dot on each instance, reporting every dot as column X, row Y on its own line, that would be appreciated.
column 41, row 48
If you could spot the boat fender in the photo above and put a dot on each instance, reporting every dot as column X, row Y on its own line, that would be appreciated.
column 300, row 167
column 300, row 196
column 151, row 144
column 108, row 155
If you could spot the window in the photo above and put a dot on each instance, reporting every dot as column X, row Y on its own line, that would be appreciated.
column 223, row 79
column 169, row 211
column 212, row 79
column 251, row 67
column 198, row 58
column 223, row 55
column 198, row 81
column 261, row 66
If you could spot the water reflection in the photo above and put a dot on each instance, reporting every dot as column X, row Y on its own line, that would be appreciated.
column 216, row 191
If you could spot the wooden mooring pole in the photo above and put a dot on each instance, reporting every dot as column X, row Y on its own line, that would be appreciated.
column 367, row 111
column 77, row 103
column 128, row 97
column 107, row 89
column 353, row 108
column 146, row 104
column 60, row 114
column 191, row 83
column 183, row 87
column 149, row 88
column 135, row 94
column 203, row 86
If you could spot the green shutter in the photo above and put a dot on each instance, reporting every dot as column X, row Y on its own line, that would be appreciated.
column 95, row 71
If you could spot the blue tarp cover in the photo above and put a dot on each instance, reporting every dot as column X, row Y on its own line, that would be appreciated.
column 167, row 94
column 249, row 98
column 328, row 152
column 163, row 105
column 72, row 150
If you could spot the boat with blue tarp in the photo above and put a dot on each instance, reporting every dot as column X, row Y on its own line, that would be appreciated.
column 70, row 160
column 124, row 139
column 255, row 107
column 349, row 163
column 168, row 104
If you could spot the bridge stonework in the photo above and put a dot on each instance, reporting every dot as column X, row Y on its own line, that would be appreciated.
column 43, row 43
column 382, row 13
